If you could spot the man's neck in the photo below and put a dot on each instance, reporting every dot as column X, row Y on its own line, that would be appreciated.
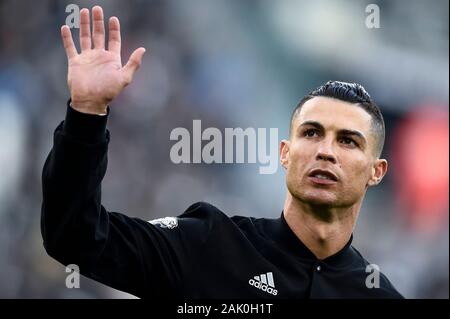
column 325, row 231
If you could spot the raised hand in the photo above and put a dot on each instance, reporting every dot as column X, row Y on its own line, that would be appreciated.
column 96, row 76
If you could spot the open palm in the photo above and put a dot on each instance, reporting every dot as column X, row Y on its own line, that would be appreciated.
column 96, row 76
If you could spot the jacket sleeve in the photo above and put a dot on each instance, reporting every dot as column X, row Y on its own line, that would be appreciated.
column 129, row 254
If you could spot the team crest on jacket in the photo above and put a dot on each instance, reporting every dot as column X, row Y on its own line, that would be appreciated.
column 165, row 222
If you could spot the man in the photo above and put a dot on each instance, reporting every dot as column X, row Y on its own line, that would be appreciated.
column 331, row 158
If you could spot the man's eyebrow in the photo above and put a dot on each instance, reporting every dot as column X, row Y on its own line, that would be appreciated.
column 313, row 123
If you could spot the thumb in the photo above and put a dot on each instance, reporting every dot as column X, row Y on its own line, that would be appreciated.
column 133, row 64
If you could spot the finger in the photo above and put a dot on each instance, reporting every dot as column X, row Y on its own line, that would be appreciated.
column 85, row 30
column 98, row 30
column 114, row 35
column 133, row 64
column 69, row 46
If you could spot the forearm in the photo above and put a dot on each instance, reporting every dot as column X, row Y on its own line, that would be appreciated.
column 71, row 181
column 75, row 227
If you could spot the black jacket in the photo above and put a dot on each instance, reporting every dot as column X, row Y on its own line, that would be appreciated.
column 202, row 253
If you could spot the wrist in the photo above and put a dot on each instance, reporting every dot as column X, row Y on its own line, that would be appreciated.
column 86, row 128
column 89, row 107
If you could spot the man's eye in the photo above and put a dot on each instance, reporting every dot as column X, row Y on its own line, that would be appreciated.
column 348, row 141
column 310, row 133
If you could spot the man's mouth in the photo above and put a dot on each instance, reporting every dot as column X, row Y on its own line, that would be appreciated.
column 320, row 176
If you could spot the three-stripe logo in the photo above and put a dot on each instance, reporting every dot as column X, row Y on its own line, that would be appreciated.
column 264, row 282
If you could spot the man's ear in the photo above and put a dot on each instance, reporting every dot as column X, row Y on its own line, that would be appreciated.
column 284, row 152
column 379, row 169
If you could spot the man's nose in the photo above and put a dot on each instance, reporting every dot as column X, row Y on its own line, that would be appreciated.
column 325, row 152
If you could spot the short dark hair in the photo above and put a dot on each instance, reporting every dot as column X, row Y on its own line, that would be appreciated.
column 352, row 93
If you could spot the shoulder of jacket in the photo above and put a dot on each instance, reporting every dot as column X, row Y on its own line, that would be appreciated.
column 203, row 210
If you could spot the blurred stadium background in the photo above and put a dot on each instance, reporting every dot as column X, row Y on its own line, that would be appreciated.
column 231, row 63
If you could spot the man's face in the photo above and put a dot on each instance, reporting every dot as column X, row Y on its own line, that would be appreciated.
column 330, row 157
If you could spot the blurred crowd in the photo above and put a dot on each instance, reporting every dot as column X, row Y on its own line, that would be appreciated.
column 231, row 63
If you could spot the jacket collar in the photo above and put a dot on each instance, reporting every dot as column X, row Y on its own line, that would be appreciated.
column 286, row 238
